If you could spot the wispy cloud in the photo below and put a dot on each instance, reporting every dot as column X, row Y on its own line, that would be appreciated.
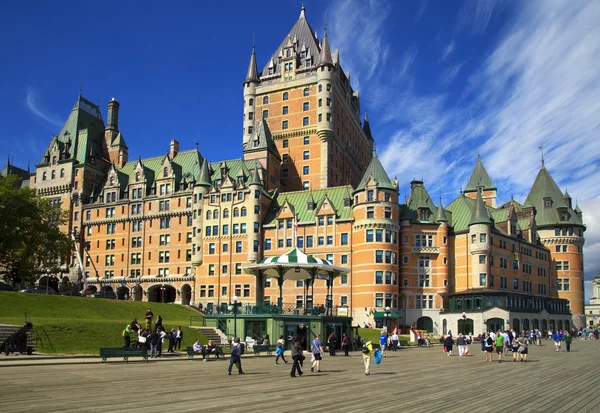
column 421, row 10
column 475, row 15
column 447, row 50
column 406, row 62
column 450, row 73
column 34, row 107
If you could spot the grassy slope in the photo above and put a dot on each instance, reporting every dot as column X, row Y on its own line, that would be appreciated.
column 77, row 325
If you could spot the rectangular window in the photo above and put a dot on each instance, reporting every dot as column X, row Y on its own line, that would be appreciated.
column 284, row 124
column 369, row 235
column 482, row 259
column 378, row 256
column 344, row 239
column 306, row 155
column 306, row 140
column 268, row 244
column 309, row 241
column 305, row 121
column 329, row 239
column 378, row 277
column 482, row 279
column 515, row 283
column 305, row 170
column 300, row 242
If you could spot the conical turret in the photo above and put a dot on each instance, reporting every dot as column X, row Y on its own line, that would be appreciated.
column 325, row 57
column 252, row 75
column 480, row 214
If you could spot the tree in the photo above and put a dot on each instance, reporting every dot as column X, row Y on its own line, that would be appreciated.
column 30, row 236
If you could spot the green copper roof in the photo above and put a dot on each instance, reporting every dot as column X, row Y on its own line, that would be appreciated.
column 479, row 215
column 376, row 172
column 120, row 141
column 419, row 199
column 299, row 201
column 441, row 214
column 204, row 176
column 543, row 188
column 479, row 177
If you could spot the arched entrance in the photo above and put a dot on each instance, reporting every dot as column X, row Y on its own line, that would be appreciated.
column 567, row 325
column 465, row 327
column 560, row 325
column 544, row 326
column 526, row 324
column 162, row 294
column 123, row 293
column 516, row 325
column 444, row 327
column 552, row 325
column 425, row 323
column 495, row 324
column 536, row 324
column 138, row 293
column 186, row 294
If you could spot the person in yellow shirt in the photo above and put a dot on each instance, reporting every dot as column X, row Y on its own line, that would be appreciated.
column 367, row 351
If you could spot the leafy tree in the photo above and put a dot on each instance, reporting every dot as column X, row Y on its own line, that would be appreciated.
column 30, row 235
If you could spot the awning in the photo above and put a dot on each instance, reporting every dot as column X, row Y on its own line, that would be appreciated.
column 382, row 314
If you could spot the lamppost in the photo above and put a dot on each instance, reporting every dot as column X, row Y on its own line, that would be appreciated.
column 162, row 293
column 233, row 307
column 464, row 318
column 47, row 279
column 387, row 310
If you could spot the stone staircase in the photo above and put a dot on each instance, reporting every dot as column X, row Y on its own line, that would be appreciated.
column 7, row 330
column 213, row 334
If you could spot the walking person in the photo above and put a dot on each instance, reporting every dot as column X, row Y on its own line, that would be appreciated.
column 154, row 338
column 317, row 352
column 383, row 338
column 367, row 352
column 448, row 343
column 514, row 346
column 395, row 341
column 556, row 338
column 568, row 341
column 500, row 344
column 297, row 356
column 523, row 348
column 332, row 343
column 149, row 315
column 236, row 356
column 461, row 342
column 280, row 350
column 488, row 344
column 345, row 344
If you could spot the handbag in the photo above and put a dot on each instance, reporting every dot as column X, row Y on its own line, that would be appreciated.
column 142, row 339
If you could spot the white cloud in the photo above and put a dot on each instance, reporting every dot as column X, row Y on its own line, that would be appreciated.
column 34, row 107
column 475, row 15
column 450, row 73
column 447, row 50
column 421, row 10
column 406, row 62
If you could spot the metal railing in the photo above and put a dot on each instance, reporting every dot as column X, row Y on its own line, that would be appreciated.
column 284, row 309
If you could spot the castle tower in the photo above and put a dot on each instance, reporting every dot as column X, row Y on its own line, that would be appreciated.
column 560, row 229
column 324, row 107
column 250, row 98
column 117, row 149
column 480, row 178
column 254, row 237
column 260, row 147
column 201, row 189
column 479, row 239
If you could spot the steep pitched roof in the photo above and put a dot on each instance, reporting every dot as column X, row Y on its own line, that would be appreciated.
column 419, row 199
column 367, row 126
column 84, row 115
column 545, row 187
column 479, row 177
column 479, row 215
column 376, row 172
column 441, row 214
column 299, row 202
column 325, row 56
column 252, row 75
column 120, row 141
column 261, row 138
column 304, row 38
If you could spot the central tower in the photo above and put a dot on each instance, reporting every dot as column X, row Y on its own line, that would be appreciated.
column 311, row 110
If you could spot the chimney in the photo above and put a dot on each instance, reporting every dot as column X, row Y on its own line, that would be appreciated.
column 173, row 149
column 113, row 115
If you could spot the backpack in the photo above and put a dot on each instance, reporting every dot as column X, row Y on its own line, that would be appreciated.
column 365, row 349
column 124, row 333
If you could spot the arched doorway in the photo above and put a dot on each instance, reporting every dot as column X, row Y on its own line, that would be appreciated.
column 536, row 324
column 560, row 325
column 138, row 293
column 123, row 293
column 465, row 327
column 162, row 294
column 65, row 285
column 567, row 325
column 526, row 324
column 552, row 325
column 444, row 327
column 186, row 294
column 495, row 324
column 544, row 326
column 516, row 325
column 425, row 323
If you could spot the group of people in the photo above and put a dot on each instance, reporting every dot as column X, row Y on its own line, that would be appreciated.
column 152, row 337
column 207, row 350
column 504, row 342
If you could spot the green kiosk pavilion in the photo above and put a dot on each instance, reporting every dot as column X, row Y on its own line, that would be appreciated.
column 306, row 319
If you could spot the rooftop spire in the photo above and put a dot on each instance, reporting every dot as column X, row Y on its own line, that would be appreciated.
column 480, row 214
column 326, row 59
column 252, row 75
column 367, row 126
column 541, row 148
column 302, row 10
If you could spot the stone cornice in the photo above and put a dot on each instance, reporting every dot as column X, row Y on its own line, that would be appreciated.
column 578, row 241
column 294, row 133
column 143, row 217
column 376, row 224
column 54, row 190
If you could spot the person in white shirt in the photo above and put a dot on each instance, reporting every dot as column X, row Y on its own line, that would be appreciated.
column 394, row 341
column 507, row 341
column 197, row 347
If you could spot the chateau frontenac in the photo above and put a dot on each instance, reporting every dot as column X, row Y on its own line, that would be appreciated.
column 179, row 228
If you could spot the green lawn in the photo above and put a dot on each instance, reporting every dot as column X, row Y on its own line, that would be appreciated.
column 77, row 325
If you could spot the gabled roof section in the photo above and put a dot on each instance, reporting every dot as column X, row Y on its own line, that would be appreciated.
column 303, row 36
column 120, row 141
column 367, row 127
column 261, row 139
column 479, row 178
column 479, row 215
column 419, row 199
column 543, row 188
column 299, row 202
column 376, row 172
column 84, row 115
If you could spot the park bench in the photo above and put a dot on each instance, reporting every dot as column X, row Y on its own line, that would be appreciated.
column 403, row 343
column 264, row 349
column 191, row 353
column 124, row 352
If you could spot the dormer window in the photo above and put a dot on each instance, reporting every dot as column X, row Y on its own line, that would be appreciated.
column 547, row 203
column 112, row 180
column 165, row 172
column 424, row 214
column 347, row 202
column 311, row 205
column 288, row 53
column 54, row 160
column 370, row 195
column 137, row 177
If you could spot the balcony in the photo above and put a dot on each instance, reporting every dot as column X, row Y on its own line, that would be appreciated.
column 425, row 250
column 286, row 309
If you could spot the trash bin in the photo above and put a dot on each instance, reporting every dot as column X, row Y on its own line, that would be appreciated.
column 242, row 348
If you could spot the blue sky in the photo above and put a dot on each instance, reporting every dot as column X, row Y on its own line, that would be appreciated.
column 441, row 80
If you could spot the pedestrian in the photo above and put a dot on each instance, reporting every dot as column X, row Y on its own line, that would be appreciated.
column 367, row 351
column 507, row 338
column 395, row 341
column 135, row 325
column 297, row 357
column 159, row 323
column 488, row 344
column 523, row 348
column 149, row 315
column 461, row 342
column 500, row 343
column 332, row 343
column 514, row 346
column 178, row 338
column 154, row 338
column 448, row 343
column 482, row 338
column 345, row 344
column 161, row 339
column 127, row 336
column 317, row 353
column 556, row 338
column 383, row 338
column 280, row 349
column 568, row 341
column 171, row 337
column 236, row 356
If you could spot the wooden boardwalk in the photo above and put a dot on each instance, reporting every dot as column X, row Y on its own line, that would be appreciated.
column 412, row 380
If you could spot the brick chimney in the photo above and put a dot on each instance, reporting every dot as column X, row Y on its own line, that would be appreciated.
column 173, row 149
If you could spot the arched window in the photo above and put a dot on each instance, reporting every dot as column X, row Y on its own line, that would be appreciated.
column 137, row 177
column 62, row 173
column 236, row 212
column 225, row 213
column 265, row 100
column 250, row 102
column 285, row 96
column 44, row 176
column 54, row 160
column 243, row 211
column 216, row 214
column 208, row 214
column 306, row 92
column 288, row 53
column 112, row 180
column 53, row 175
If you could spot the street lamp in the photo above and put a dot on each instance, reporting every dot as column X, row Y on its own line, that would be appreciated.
column 387, row 310
column 162, row 293
column 47, row 279
column 234, row 309
column 464, row 318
